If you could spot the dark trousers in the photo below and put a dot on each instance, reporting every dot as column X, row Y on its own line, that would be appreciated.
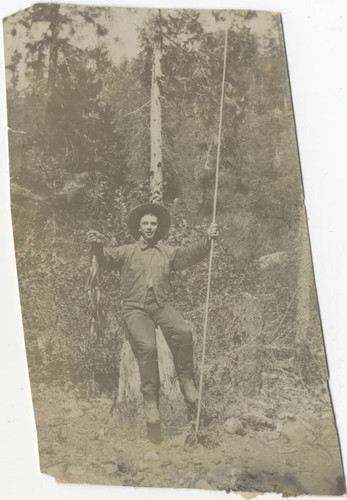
column 141, row 324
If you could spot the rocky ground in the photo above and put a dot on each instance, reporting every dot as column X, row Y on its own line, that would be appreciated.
column 291, row 448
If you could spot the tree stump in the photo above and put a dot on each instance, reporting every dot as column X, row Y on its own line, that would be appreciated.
column 129, row 398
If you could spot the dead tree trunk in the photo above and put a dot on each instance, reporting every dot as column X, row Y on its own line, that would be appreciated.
column 52, row 63
column 156, row 173
column 129, row 394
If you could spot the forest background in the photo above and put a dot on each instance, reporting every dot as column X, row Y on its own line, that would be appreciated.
column 79, row 157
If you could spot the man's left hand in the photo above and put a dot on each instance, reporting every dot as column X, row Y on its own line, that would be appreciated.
column 212, row 232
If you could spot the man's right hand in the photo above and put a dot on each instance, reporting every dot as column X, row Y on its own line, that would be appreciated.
column 95, row 238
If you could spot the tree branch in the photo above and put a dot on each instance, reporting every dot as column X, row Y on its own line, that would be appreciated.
column 138, row 109
column 16, row 131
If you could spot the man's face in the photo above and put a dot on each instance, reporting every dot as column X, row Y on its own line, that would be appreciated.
column 149, row 228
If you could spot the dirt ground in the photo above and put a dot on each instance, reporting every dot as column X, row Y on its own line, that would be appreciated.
column 290, row 448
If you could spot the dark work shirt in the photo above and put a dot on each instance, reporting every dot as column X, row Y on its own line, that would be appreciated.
column 141, row 265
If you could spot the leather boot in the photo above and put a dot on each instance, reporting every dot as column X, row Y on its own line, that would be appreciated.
column 154, row 432
column 149, row 375
column 185, row 370
column 151, row 410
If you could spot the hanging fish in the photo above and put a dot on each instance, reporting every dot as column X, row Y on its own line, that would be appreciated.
column 92, row 289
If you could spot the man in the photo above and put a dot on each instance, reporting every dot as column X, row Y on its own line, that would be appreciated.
column 145, row 269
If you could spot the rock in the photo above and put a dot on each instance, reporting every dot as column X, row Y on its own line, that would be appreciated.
column 151, row 456
column 237, row 478
column 62, row 435
column 105, row 462
column 166, row 462
column 288, row 461
column 104, row 402
column 76, row 470
column 311, row 438
column 202, row 485
column 84, row 405
column 253, row 470
column 314, row 421
column 224, row 484
column 236, row 472
column 48, row 451
column 70, row 405
column 123, row 466
column 196, row 461
column 142, row 466
column 139, row 478
column 290, row 485
column 268, row 468
column 68, row 386
column 233, row 426
column 294, row 432
column 273, row 436
column 273, row 258
column 229, row 460
column 100, row 434
column 75, row 413
column 286, row 415
column 260, row 420
column 210, row 476
column 109, row 469
column 57, row 470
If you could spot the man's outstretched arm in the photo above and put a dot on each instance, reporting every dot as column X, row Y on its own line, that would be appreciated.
column 107, row 258
column 186, row 256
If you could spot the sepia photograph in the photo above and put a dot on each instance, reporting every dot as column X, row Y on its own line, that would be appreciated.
column 172, row 331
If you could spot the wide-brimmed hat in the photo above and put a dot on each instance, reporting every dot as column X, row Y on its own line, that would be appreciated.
column 135, row 215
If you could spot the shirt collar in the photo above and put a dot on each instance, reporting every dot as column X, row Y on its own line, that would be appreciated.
column 143, row 244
